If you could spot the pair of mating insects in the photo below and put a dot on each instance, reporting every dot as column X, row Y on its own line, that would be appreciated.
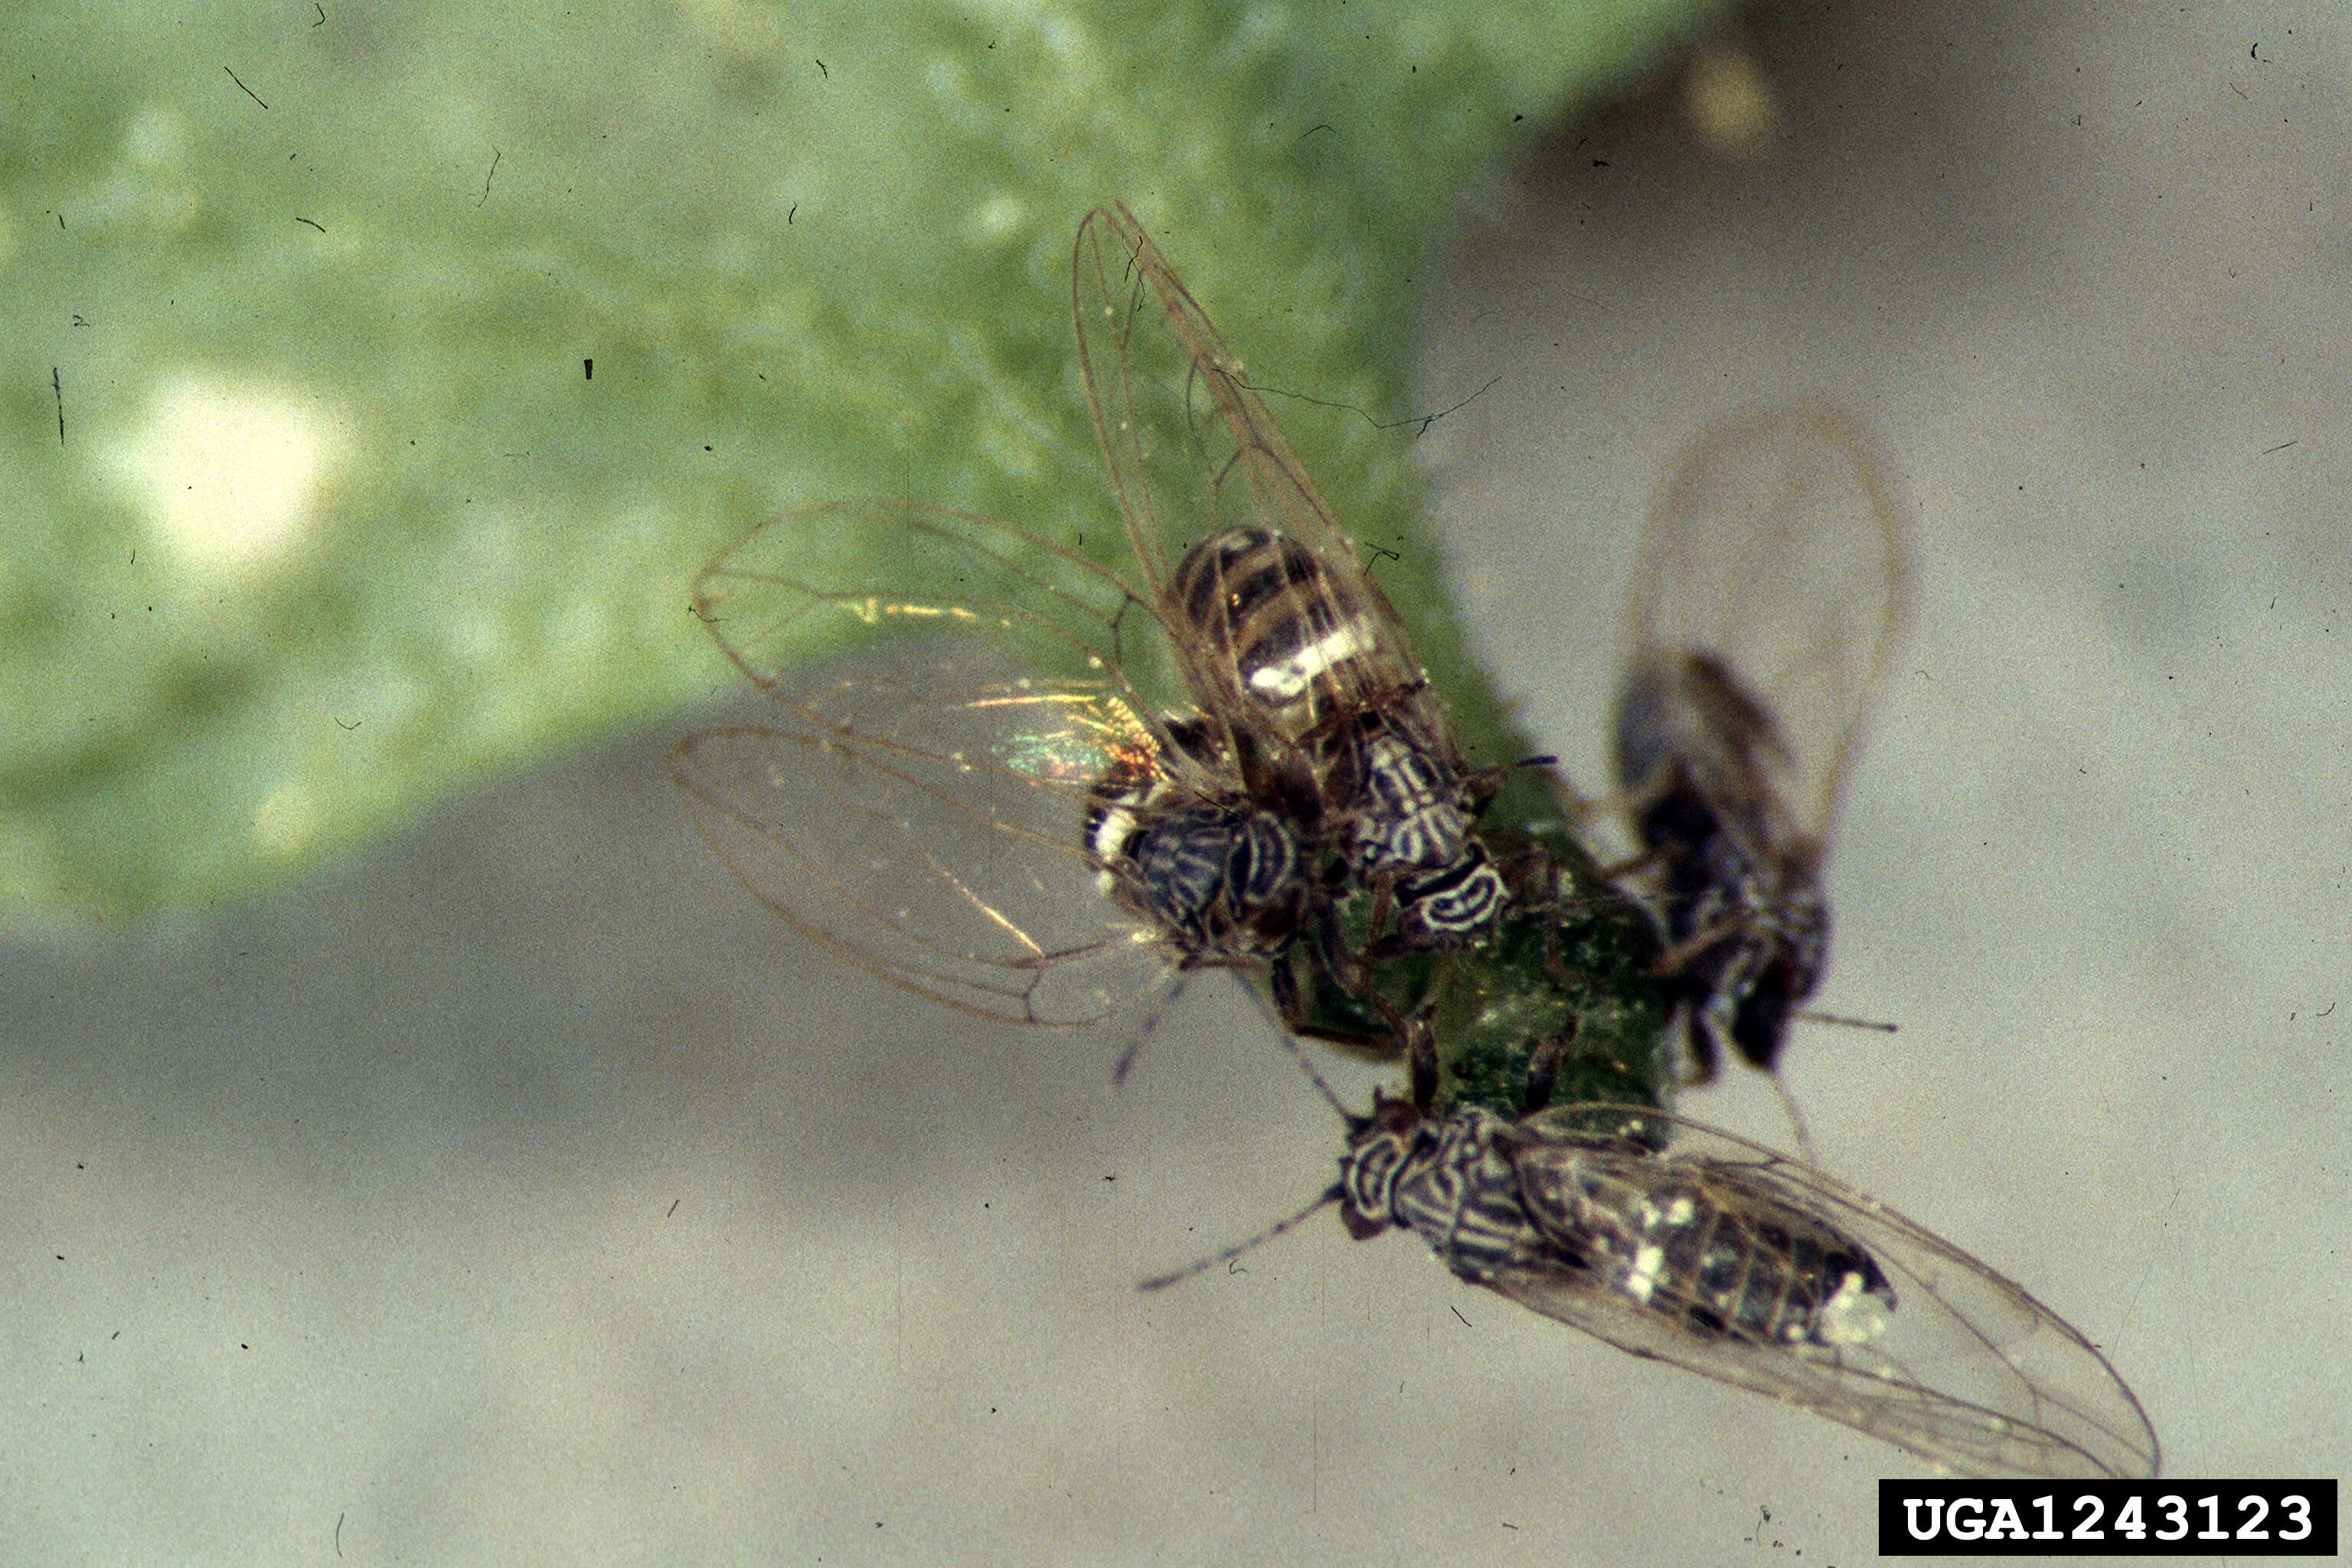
column 1048, row 792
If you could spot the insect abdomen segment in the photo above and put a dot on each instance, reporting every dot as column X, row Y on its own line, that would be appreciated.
column 1290, row 637
column 1722, row 1260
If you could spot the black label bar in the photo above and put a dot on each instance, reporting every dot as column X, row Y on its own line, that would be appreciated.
column 2115, row 1519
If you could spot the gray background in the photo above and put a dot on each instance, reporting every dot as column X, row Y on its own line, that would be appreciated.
column 527, row 1195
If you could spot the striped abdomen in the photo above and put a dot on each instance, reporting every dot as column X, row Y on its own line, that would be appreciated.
column 1281, row 633
column 1701, row 1244
column 1551, row 1219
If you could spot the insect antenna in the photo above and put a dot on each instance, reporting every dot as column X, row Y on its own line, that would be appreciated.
column 1145, row 1030
column 1810, row 1017
column 1330, row 1095
column 1328, row 1196
column 1789, row 1102
column 1796, row 1119
column 1325, row 1199
column 1492, row 778
column 1278, row 1013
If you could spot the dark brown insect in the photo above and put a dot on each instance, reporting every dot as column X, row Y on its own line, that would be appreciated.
column 1771, row 587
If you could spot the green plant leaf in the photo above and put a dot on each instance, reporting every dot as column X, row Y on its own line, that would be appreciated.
column 316, row 509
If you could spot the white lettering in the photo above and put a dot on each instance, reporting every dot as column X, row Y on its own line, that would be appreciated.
column 2006, row 1523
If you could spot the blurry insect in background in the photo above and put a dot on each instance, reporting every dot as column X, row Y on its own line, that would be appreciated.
column 1683, row 1243
column 1286, row 643
column 1047, row 792
column 1768, row 595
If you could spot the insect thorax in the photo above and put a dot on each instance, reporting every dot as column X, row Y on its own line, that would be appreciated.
column 1220, row 878
column 1407, row 806
column 1409, row 814
column 1450, row 1182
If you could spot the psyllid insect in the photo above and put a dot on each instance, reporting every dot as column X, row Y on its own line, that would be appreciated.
column 1051, row 788
column 1770, row 589
column 1685, row 1244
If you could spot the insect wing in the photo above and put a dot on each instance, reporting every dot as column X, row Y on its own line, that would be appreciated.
column 1965, row 1369
column 1193, row 452
column 1777, row 552
column 793, row 587
column 922, row 810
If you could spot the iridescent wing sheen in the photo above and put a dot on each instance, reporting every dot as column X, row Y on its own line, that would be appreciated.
column 921, row 811
column 1780, row 550
column 795, row 585
column 1967, row 1371
column 1192, row 450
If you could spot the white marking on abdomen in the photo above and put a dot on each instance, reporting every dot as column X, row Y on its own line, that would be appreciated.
column 1642, row 1277
column 1850, row 1316
column 1282, row 681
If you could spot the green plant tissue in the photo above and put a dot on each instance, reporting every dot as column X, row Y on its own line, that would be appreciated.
column 315, row 510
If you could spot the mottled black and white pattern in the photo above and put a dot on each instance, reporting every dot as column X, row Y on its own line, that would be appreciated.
column 1678, row 1242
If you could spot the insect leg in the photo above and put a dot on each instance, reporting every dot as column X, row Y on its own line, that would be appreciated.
column 1543, row 1069
column 1677, row 957
column 1420, row 1043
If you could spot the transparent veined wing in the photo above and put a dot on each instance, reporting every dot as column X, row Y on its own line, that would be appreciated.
column 1777, row 553
column 1192, row 454
column 797, row 583
column 923, row 809
column 1915, row 1342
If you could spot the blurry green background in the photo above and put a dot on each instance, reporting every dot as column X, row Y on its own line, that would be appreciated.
column 338, row 520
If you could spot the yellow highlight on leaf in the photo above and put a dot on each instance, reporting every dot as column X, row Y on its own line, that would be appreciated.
column 231, row 472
